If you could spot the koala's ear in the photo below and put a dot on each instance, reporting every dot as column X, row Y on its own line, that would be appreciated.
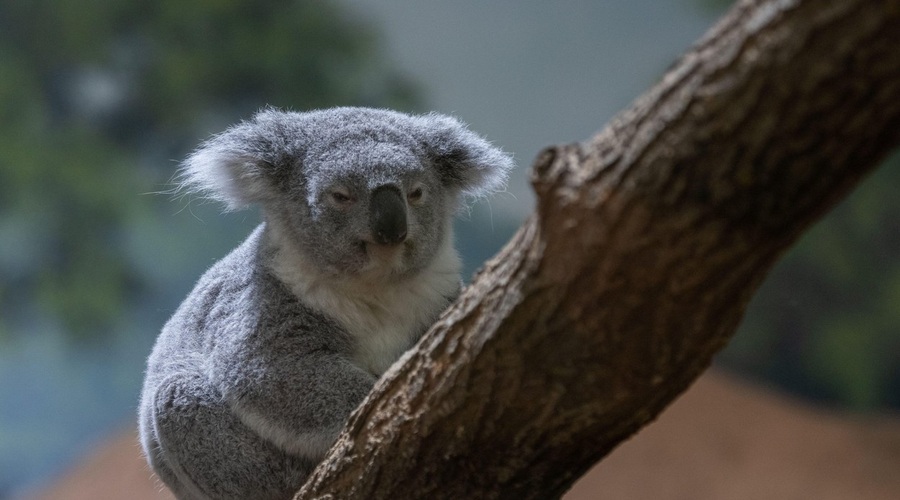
column 466, row 161
column 243, row 164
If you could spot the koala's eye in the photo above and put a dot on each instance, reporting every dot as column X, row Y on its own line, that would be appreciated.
column 415, row 195
column 341, row 197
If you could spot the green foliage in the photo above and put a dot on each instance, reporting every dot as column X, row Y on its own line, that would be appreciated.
column 97, row 98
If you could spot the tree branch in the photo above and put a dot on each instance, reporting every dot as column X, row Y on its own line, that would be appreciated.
column 647, row 243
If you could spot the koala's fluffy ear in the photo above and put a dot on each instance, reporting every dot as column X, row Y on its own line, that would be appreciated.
column 467, row 161
column 242, row 165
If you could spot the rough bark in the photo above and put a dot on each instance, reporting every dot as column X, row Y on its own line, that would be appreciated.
column 647, row 243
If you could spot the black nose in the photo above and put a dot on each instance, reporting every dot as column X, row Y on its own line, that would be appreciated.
column 387, row 217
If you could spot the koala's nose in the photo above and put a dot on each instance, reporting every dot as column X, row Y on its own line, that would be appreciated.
column 387, row 218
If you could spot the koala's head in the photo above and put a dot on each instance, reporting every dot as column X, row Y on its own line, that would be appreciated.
column 356, row 190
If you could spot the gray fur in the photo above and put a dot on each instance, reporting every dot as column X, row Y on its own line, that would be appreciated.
column 255, row 374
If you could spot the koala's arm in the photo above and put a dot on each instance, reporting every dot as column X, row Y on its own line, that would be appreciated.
column 285, row 374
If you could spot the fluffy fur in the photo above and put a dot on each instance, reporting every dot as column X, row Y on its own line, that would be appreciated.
column 256, row 372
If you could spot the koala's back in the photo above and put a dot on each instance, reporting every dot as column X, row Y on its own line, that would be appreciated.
column 227, row 304
column 237, row 312
column 188, row 338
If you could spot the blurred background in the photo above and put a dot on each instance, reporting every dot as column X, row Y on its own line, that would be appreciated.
column 99, row 100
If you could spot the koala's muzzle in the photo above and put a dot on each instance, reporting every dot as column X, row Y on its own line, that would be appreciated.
column 387, row 217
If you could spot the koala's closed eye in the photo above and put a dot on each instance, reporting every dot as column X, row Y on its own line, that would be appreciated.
column 342, row 197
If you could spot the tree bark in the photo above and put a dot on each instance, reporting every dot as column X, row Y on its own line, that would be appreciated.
column 647, row 243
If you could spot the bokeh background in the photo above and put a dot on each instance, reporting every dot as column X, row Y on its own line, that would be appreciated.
column 100, row 99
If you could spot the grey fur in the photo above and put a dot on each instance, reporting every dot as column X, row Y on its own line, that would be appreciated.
column 255, row 374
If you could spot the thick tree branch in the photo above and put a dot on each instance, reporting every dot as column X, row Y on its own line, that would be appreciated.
column 647, row 243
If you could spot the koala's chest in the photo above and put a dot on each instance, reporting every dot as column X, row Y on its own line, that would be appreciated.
column 381, row 342
column 381, row 325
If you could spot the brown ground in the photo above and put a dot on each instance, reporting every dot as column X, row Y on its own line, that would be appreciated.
column 722, row 440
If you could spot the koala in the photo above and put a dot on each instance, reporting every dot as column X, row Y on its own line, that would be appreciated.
column 253, row 377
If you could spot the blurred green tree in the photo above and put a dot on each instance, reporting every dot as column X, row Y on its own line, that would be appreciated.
column 97, row 98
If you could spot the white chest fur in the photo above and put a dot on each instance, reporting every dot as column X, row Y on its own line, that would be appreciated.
column 381, row 318
column 384, row 321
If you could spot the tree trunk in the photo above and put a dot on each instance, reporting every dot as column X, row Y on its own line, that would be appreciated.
column 647, row 243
